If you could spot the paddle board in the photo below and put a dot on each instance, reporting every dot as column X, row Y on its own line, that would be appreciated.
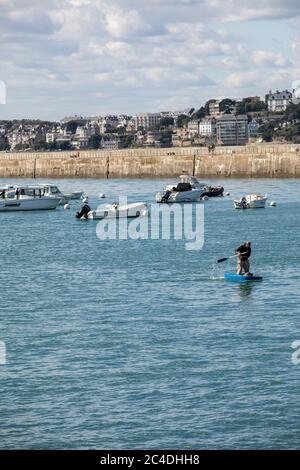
column 240, row 278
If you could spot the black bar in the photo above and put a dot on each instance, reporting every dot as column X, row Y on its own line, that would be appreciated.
column 138, row 458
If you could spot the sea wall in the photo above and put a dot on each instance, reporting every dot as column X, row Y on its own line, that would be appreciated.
column 253, row 161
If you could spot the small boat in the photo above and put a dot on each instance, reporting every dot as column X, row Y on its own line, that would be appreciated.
column 26, row 198
column 115, row 210
column 183, row 192
column 251, row 201
column 74, row 195
column 53, row 190
column 242, row 278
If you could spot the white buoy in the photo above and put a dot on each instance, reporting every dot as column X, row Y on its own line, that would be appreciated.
column 66, row 206
column 273, row 204
column 206, row 198
column 102, row 196
column 227, row 194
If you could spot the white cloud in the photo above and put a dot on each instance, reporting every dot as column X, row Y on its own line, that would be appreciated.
column 120, row 23
column 265, row 58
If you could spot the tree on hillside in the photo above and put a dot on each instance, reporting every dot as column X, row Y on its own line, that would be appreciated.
column 201, row 113
column 94, row 142
column 166, row 122
column 182, row 120
column 226, row 105
column 267, row 131
column 250, row 104
column 4, row 144
column 72, row 126
column 292, row 112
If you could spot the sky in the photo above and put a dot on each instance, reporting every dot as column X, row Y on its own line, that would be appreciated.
column 94, row 57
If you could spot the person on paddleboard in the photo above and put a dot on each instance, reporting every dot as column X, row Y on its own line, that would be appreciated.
column 244, row 253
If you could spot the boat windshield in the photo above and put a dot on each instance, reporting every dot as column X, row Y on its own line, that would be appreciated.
column 54, row 190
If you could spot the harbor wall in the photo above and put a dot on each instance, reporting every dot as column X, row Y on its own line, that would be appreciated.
column 251, row 161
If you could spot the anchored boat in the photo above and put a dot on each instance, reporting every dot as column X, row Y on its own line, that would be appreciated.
column 52, row 190
column 73, row 195
column 188, row 190
column 115, row 210
column 183, row 192
column 26, row 198
column 251, row 201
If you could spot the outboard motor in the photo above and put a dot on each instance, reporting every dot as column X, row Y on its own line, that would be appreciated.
column 243, row 202
column 84, row 212
column 166, row 196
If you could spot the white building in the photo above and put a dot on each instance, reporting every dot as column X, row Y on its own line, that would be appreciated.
column 278, row 102
column 50, row 137
column 207, row 127
column 146, row 120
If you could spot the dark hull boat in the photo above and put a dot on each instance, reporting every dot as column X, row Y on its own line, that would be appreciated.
column 213, row 191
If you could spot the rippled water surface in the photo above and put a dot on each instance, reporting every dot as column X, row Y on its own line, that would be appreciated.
column 142, row 344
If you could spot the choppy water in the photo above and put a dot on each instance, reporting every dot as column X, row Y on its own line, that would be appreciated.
column 141, row 344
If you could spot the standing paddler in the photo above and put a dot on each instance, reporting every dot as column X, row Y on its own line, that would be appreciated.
column 244, row 253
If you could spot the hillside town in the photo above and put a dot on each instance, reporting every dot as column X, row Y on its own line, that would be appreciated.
column 218, row 122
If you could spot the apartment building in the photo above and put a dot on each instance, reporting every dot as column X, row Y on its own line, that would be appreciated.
column 232, row 130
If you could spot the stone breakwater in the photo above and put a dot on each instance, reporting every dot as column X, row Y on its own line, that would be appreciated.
column 251, row 161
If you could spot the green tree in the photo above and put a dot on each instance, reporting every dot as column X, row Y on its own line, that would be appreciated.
column 166, row 138
column 72, row 126
column 292, row 112
column 200, row 114
column 65, row 145
column 251, row 104
column 128, row 140
column 166, row 122
column 4, row 144
column 226, row 105
column 94, row 142
column 267, row 131
column 182, row 120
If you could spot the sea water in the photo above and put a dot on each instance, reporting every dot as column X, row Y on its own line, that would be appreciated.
column 141, row 343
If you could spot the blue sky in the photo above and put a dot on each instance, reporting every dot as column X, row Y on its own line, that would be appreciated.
column 91, row 57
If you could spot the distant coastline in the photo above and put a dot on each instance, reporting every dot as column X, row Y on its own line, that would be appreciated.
column 250, row 161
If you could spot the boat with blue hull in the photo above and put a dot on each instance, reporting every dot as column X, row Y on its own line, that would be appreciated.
column 241, row 278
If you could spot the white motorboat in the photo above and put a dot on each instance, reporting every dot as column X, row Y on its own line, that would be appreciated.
column 26, row 198
column 188, row 190
column 73, row 195
column 251, row 201
column 183, row 192
column 115, row 210
column 53, row 191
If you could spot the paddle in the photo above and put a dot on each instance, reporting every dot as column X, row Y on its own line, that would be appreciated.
column 225, row 259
